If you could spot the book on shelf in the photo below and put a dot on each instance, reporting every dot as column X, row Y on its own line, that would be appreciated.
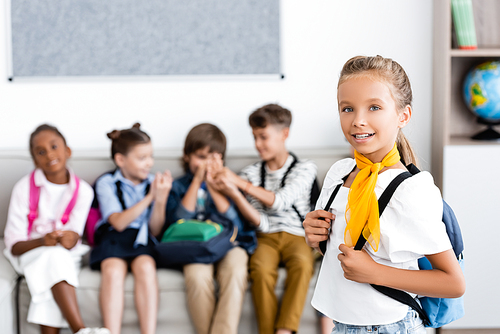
column 463, row 21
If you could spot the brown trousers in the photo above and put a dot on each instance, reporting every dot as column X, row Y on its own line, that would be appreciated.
column 296, row 255
column 221, row 315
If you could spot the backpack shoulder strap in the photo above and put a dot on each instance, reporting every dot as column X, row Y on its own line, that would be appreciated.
column 119, row 193
column 34, row 197
column 263, row 171
column 294, row 162
column 405, row 298
column 263, row 174
column 282, row 184
column 389, row 191
column 95, row 201
column 72, row 202
column 400, row 296
column 322, row 244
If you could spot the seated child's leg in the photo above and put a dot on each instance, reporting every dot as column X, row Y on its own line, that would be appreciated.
column 264, row 274
column 299, row 262
column 49, row 330
column 232, row 276
column 113, row 272
column 65, row 297
column 42, row 267
column 200, row 293
column 145, row 292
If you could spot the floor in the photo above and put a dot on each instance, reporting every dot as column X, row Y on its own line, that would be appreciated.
column 470, row 331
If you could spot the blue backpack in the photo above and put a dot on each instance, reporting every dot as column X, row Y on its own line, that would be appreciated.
column 434, row 312
column 187, row 249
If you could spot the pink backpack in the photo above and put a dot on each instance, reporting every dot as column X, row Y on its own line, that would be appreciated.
column 35, row 197
column 92, row 219
column 94, row 214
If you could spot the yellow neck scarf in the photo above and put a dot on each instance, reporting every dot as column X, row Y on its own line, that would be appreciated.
column 362, row 204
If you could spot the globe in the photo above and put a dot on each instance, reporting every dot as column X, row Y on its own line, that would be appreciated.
column 481, row 92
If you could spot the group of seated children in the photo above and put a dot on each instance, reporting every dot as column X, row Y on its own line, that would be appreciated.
column 267, row 202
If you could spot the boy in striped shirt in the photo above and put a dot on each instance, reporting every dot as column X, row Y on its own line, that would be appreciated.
column 277, row 193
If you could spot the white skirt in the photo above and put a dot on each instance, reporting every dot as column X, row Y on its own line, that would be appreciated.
column 43, row 267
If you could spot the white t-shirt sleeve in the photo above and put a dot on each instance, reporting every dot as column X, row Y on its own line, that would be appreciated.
column 16, row 228
column 414, row 221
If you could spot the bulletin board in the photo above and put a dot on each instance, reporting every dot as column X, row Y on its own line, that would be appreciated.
column 148, row 37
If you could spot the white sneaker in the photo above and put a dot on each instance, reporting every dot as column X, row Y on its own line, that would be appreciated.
column 93, row 331
column 85, row 331
column 101, row 330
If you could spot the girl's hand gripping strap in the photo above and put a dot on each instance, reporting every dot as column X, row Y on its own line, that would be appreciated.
column 34, row 197
column 322, row 244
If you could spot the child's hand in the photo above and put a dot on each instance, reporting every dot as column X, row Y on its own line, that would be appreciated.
column 226, row 173
column 152, row 191
column 68, row 239
column 231, row 176
column 163, row 185
column 52, row 238
column 214, row 166
column 215, row 163
column 358, row 266
column 201, row 172
column 222, row 184
column 316, row 229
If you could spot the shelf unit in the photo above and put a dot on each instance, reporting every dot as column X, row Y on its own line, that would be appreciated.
column 463, row 168
column 452, row 122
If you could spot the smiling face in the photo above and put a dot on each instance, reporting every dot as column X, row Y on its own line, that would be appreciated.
column 369, row 117
column 270, row 141
column 50, row 154
column 136, row 164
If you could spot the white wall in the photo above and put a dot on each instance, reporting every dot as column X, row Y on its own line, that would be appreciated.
column 318, row 36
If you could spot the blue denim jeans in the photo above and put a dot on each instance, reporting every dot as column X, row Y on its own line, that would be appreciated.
column 410, row 324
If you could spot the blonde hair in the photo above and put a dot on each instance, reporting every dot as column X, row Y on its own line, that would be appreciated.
column 392, row 74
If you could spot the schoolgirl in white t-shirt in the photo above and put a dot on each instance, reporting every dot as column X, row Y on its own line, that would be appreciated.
column 374, row 97
column 46, row 248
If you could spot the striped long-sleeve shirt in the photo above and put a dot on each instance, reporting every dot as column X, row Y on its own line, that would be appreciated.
column 296, row 191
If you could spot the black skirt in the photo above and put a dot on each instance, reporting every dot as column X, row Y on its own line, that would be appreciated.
column 111, row 243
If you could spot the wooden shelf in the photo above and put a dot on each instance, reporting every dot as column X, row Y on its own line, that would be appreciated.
column 452, row 121
column 482, row 52
column 465, row 140
column 464, row 168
